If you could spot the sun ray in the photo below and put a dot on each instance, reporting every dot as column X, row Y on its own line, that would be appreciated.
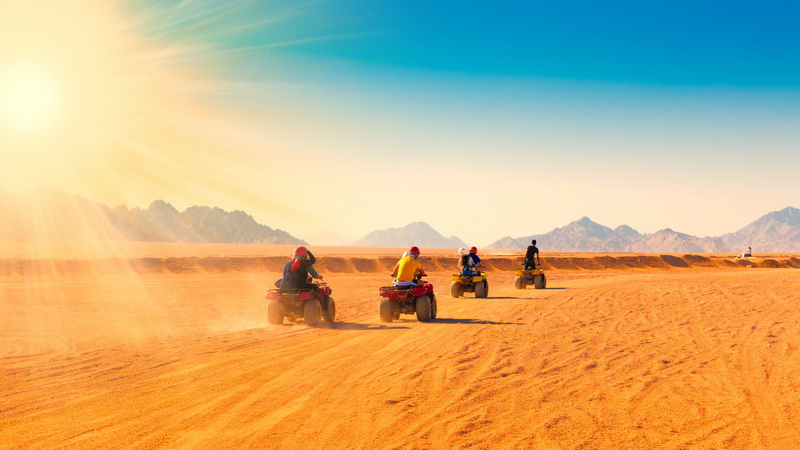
column 124, row 101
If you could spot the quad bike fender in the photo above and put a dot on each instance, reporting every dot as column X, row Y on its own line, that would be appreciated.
column 307, row 295
column 528, row 273
column 273, row 295
column 422, row 290
column 468, row 279
column 393, row 293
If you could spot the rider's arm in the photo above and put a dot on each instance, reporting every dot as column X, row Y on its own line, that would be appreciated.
column 313, row 272
column 311, row 259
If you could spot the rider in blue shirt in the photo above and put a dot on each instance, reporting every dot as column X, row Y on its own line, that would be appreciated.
column 471, row 262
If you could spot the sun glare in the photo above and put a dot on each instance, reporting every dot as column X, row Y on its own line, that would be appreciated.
column 123, row 102
column 30, row 97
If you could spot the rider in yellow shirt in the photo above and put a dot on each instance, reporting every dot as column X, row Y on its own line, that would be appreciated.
column 406, row 269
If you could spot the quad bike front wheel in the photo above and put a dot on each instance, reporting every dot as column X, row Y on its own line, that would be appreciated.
column 312, row 312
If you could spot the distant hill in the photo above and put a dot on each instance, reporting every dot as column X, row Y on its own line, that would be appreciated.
column 777, row 231
column 417, row 233
column 44, row 214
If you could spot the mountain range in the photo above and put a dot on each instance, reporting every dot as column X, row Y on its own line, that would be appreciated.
column 39, row 214
column 45, row 213
column 416, row 233
column 778, row 231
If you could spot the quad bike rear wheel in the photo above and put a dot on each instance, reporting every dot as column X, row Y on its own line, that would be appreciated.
column 455, row 289
column 329, row 313
column 434, row 307
column 274, row 313
column 312, row 312
column 544, row 282
column 538, row 282
column 386, row 312
column 519, row 283
column 480, row 289
column 423, row 306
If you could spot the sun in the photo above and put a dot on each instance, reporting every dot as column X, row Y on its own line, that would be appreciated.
column 31, row 97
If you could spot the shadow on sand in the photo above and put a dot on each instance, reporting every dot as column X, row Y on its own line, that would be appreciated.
column 360, row 326
column 472, row 322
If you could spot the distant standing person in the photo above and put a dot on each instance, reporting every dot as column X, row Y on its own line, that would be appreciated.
column 529, row 255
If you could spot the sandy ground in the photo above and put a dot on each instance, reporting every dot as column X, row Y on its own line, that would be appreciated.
column 701, row 356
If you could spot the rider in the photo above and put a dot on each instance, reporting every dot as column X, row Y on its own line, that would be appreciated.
column 462, row 258
column 532, row 251
column 295, row 272
column 406, row 269
column 470, row 262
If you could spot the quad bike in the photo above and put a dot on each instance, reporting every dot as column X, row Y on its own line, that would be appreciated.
column 309, row 304
column 418, row 299
column 525, row 277
column 459, row 284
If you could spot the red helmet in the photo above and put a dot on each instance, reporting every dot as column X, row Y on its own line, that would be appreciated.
column 413, row 250
column 300, row 251
column 474, row 250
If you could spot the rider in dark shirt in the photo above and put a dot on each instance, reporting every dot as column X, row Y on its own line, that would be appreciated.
column 295, row 272
column 532, row 251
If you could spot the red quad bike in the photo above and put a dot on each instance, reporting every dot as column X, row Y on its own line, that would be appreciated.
column 309, row 304
column 419, row 299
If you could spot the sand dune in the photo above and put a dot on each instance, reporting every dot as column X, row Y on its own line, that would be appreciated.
column 632, row 351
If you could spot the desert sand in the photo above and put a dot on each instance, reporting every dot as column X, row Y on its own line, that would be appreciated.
column 168, row 346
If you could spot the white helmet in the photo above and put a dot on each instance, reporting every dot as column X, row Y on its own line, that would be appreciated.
column 462, row 250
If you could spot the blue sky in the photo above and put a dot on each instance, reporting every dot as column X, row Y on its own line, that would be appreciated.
column 481, row 119
column 666, row 43
column 680, row 114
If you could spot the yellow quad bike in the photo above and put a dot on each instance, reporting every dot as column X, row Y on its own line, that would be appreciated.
column 459, row 284
column 525, row 277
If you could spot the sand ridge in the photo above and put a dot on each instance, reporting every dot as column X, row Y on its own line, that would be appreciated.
column 379, row 264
